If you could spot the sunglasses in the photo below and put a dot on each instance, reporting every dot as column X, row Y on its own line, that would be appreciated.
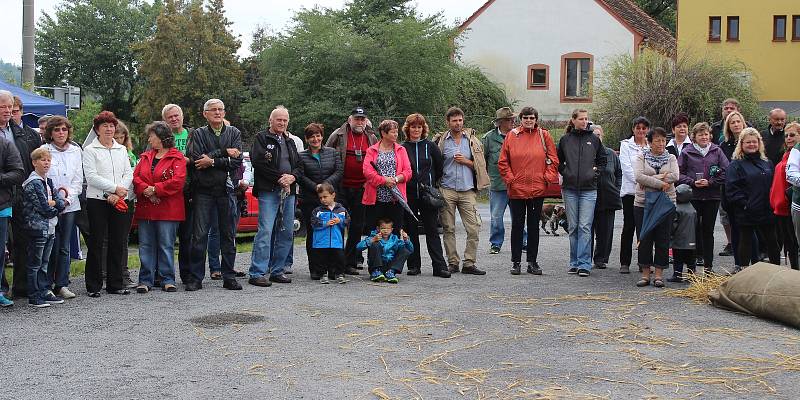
column 529, row 117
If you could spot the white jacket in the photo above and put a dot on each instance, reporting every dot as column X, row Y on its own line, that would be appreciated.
column 66, row 170
column 105, row 169
column 629, row 151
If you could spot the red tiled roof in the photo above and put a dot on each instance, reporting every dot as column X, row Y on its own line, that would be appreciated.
column 655, row 34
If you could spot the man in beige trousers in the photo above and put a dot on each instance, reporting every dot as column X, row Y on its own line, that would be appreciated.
column 464, row 175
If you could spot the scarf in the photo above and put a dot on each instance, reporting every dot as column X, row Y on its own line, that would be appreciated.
column 655, row 161
column 702, row 150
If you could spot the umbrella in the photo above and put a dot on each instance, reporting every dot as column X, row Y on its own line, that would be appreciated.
column 397, row 195
column 657, row 208
column 279, row 214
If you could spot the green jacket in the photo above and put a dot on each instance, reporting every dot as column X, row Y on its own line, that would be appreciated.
column 492, row 143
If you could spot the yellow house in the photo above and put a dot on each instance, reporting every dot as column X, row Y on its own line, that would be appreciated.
column 765, row 35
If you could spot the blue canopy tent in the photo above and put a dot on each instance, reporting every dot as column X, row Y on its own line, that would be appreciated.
column 34, row 105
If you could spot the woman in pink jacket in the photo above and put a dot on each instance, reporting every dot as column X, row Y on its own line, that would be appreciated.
column 386, row 165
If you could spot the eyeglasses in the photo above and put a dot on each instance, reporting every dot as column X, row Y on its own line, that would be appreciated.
column 529, row 117
column 17, row 111
column 216, row 109
column 60, row 129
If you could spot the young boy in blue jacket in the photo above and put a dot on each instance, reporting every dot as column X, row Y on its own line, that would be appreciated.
column 329, row 221
column 41, row 204
column 387, row 253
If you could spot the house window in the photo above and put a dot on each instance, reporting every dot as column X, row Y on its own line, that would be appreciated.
column 576, row 77
column 733, row 29
column 714, row 29
column 538, row 77
column 779, row 28
column 795, row 28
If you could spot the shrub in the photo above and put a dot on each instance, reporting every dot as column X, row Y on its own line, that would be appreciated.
column 659, row 87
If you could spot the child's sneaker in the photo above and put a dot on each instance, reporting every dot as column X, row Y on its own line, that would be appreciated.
column 38, row 303
column 390, row 277
column 324, row 280
column 51, row 298
column 377, row 276
column 4, row 302
column 341, row 279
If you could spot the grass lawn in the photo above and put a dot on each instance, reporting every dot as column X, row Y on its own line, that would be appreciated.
column 244, row 244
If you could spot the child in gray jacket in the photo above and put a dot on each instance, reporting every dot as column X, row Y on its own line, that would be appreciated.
column 683, row 234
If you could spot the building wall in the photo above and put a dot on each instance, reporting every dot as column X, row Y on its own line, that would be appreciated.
column 774, row 65
column 509, row 35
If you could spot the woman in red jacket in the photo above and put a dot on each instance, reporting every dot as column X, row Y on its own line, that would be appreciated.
column 528, row 164
column 386, row 165
column 781, row 204
column 158, row 183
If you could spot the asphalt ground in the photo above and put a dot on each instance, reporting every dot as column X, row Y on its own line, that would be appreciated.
column 469, row 337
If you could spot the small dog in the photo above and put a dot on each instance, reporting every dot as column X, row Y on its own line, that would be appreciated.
column 554, row 216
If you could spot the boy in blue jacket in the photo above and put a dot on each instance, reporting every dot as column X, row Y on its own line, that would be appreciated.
column 329, row 221
column 387, row 253
column 41, row 204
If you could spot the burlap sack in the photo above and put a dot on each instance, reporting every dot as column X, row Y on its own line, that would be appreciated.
column 764, row 290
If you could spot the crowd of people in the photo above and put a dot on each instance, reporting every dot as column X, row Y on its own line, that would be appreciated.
column 378, row 191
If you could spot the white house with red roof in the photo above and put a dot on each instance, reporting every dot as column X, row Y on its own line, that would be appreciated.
column 549, row 53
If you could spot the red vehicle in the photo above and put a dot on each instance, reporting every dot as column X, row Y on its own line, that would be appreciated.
column 248, row 221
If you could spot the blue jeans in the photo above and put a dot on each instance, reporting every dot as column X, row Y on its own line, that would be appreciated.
column 213, row 234
column 157, row 251
column 271, row 245
column 498, row 202
column 60, row 257
column 39, row 248
column 4, row 286
column 580, row 214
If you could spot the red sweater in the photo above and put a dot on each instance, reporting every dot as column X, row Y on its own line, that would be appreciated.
column 777, row 193
column 353, row 168
column 168, row 179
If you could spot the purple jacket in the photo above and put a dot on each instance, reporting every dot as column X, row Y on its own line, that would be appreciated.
column 691, row 162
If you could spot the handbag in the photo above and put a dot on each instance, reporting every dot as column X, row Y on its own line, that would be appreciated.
column 431, row 196
column 553, row 189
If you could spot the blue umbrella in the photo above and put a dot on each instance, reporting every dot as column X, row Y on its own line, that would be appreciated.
column 657, row 208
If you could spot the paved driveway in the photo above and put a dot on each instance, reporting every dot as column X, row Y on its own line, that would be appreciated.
column 497, row 336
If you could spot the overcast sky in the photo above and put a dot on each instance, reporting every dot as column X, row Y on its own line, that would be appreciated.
column 246, row 15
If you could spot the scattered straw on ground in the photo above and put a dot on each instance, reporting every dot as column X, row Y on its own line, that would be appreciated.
column 699, row 287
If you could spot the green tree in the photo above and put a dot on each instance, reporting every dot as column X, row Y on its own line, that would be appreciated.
column 10, row 73
column 325, row 65
column 89, row 44
column 82, row 119
column 658, row 87
column 663, row 11
column 190, row 58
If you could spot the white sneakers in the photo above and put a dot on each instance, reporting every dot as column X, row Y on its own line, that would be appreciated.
column 66, row 293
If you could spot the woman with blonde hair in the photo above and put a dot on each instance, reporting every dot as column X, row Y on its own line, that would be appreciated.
column 747, row 184
column 781, row 195
column 702, row 166
column 793, row 176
